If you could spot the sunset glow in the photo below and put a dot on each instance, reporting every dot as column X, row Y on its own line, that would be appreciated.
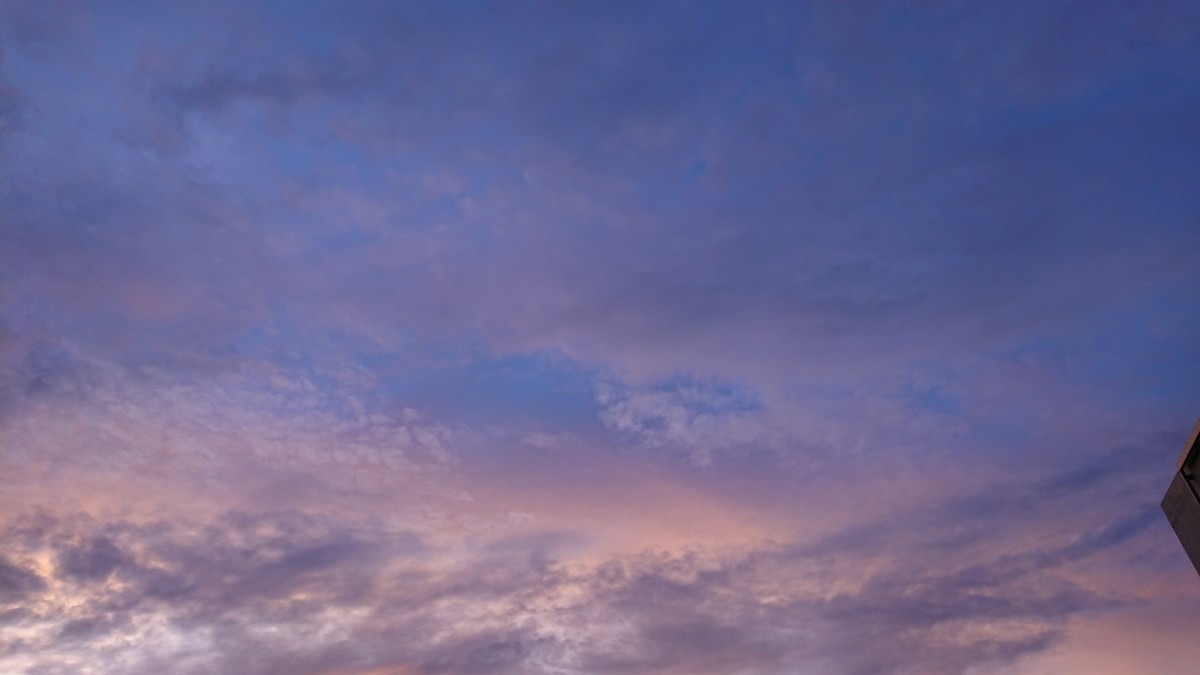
column 559, row 337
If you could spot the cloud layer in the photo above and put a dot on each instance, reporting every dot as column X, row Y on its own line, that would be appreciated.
column 684, row 338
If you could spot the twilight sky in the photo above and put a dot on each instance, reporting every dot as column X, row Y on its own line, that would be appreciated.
column 562, row 337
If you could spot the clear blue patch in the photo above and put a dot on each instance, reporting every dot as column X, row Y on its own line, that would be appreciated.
column 488, row 390
column 934, row 400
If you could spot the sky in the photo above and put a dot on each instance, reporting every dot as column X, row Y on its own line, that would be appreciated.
column 597, row 337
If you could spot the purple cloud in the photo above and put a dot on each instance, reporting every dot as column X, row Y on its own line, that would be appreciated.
column 610, row 338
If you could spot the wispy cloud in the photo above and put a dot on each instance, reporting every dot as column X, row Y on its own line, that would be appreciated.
column 613, row 338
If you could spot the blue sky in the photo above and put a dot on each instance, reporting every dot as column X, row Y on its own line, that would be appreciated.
column 596, row 337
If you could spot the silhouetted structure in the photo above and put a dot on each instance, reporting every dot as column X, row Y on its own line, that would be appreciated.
column 1182, row 501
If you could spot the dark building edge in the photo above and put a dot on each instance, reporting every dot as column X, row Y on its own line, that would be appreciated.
column 1181, row 503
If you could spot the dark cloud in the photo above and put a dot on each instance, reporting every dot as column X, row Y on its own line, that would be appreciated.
column 16, row 582
column 920, row 274
column 91, row 561
column 36, row 26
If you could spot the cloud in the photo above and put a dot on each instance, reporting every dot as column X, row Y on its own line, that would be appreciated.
column 895, row 229
column 16, row 582
column 315, row 588
column 93, row 561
